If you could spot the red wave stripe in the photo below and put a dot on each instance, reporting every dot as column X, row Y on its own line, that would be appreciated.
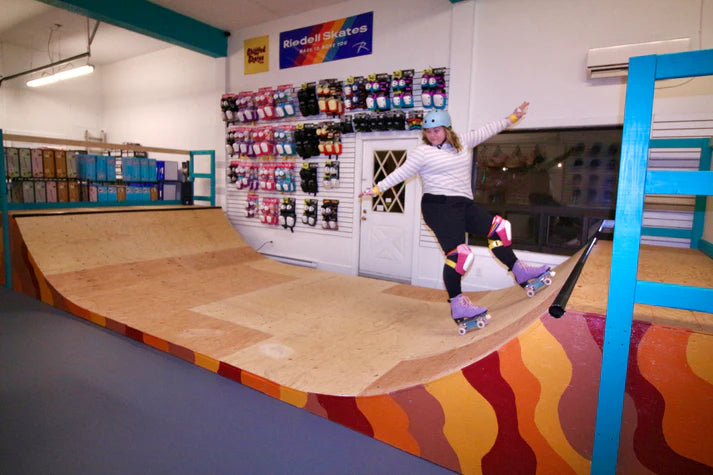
column 343, row 410
column 650, row 444
column 183, row 353
column 426, row 415
column 578, row 404
column 510, row 449
column 314, row 406
column 526, row 388
column 596, row 327
column 688, row 415
column 229, row 371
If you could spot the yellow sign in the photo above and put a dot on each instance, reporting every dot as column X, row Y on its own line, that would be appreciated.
column 257, row 54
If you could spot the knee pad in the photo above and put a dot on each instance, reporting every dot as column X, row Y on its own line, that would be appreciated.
column 439, row 100
column 500, row 233
column 463, row 258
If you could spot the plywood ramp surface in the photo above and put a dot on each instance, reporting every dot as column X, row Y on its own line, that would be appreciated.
column 657, row 264
column 187, row 277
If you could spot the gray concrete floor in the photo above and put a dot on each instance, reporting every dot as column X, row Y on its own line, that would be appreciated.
column 76, row 398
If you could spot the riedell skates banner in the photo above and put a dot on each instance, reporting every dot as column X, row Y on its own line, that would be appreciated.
column 330, row 41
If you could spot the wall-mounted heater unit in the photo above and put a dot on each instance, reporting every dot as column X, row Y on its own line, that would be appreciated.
column 613, row 61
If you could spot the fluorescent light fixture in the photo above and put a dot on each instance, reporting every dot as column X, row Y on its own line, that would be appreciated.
column 67, row 74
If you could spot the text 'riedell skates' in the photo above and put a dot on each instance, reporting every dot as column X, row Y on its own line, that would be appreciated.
column 532, row 279
column 468, row 316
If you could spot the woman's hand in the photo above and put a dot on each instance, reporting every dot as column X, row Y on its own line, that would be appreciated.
column 369, row 192
column 519, row 112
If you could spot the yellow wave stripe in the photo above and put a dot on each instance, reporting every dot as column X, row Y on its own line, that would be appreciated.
column 527, row 394
column 699, row 354
column 688, row 415
column 389, row 421
column 471, row 426
column 545, row 358
column 211, row 364
column 293, row 396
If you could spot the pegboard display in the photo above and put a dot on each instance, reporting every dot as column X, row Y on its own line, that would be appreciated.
column 298, row 143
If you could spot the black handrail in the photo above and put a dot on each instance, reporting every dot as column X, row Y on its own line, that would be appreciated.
column 557, row 309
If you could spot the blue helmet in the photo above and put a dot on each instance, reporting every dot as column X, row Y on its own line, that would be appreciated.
column 438, row 118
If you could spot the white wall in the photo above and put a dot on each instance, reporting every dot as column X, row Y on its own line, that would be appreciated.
column 168, row 99
column 499, row 52
column 61, row 110
column 537, row 51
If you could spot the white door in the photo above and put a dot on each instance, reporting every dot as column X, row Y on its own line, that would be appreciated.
column 387, row 221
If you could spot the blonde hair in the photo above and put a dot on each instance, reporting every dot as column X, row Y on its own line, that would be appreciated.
column 451, row 137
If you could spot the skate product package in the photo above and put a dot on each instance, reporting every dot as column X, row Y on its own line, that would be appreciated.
column 310, row 212
column 307, row 99
column 402, row 88
column 288, row 214
column 331, row 174
column 308, row 178
column 433, row 88
column 330, row 212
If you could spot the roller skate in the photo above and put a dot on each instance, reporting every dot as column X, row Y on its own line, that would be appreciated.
column 532, row 279
column 466, row 315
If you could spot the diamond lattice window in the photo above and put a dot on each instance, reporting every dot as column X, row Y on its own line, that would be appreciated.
column 393, row 199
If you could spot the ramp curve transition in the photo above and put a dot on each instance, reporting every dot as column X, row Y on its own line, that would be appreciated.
column 378, row 357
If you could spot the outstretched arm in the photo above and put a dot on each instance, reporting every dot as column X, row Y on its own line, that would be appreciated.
column 408, row 169
column 483, row 133
column 519, row 112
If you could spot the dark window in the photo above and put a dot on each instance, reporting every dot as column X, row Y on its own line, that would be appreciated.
column 553, row 185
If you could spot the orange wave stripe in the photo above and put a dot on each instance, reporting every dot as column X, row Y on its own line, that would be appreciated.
column 688, row 416
column 389, row 422
column 545, row 358
column 527, row 394
column 465, row 408
column 260, row 383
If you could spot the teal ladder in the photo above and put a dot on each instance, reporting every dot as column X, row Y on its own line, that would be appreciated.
column 624, row 289
column 695, row 234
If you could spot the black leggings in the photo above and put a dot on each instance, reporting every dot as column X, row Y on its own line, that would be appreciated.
column 450, row 217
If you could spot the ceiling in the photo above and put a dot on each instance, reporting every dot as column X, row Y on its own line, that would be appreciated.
column 60, row 33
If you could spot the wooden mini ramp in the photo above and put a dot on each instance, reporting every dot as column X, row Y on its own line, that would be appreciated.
column 379, row 357
column 186, row 276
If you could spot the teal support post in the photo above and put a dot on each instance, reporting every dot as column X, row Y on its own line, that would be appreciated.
column 209, row 176
column 624, row 263
column 624, row 288
column 5, row 217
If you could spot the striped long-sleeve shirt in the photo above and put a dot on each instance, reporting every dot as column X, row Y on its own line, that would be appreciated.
column 444, row 171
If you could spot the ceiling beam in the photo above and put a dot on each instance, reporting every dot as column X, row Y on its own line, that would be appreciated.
column 152, row 20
